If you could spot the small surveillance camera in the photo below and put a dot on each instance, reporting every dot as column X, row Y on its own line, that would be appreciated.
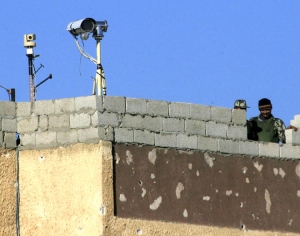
column 78, row 27
column 28, row 38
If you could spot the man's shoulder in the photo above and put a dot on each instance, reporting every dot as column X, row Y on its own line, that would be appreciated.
column 279, row 121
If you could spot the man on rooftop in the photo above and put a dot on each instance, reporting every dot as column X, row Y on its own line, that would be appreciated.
column 269, row 128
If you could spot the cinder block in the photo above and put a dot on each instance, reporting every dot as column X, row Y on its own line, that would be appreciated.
column 114, row 104
column 43, row 123
column 296, row 121
column 63, row 106
column 237, row 132
column 136, row 106
column 179, row 109
column 165, row 140
column 143, row 137
column 221, row 115
column 267, row 149
column 200, row 112
column 23, row 109
column 195, row 127
column 157, row 108
column 45, row 107
column 123, row 135
column 88, row 135
column 46, row 139
column 106, row 133
column 8, row 109
column 80, row 121
column 238, row 117
column 249, row 148
column 61, row 122
column 153, row 123
column 228, row 146
column 289, row 151
column 105, row 119
column 67, row 137
column 88, row 104
column 27, row 125
column 289, row 136
column 99, row 101
column 214, row 129
column 132, row 121
column 187, row 141
column 9, row 125
column 292, row 136
column 207, row 144
column 10, row 140
column 27, row 140
column 173, row 125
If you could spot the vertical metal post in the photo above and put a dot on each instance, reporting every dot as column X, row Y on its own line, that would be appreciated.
column 31, row 82
column 99, row 82
column 98, row 73
column 12, row 95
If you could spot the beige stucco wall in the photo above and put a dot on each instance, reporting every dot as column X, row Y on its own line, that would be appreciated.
column 62, row 190
column 7, row 192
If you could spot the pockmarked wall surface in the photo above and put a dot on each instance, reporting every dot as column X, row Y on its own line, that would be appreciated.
column 207, row 188
column 8, row 192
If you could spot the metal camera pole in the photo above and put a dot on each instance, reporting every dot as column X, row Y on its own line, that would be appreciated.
column 98, row 34
column 31, row 82
column 99, row 82
column 28, row 38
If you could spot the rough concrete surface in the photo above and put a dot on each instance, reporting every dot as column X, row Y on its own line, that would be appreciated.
column 61, row 190
column 7, row 192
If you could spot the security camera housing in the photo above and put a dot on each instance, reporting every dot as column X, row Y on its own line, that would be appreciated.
column 81, row 26
column 28, row 38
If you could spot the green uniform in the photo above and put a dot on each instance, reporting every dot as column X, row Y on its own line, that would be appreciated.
column 269, row 130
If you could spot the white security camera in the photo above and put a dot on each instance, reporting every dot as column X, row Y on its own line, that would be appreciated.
column 79, row 27
column 84, row 28
column 28, row 38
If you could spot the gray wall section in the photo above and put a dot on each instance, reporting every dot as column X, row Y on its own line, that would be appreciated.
column 54, row 123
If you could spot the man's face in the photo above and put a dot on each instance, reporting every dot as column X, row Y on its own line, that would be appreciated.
column 265, row 112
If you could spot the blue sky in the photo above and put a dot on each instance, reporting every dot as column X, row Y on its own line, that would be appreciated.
column 204, row 52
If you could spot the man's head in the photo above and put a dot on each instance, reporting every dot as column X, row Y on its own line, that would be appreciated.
column 240, row 104
column 265, row 107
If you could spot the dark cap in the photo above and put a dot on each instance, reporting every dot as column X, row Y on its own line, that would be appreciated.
column 264, row 103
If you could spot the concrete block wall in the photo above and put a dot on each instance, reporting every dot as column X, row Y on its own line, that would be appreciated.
column 54, row 123
column 293, row 136
column 8, row 124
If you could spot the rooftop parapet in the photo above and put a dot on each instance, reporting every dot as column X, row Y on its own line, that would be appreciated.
column 54, row 123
